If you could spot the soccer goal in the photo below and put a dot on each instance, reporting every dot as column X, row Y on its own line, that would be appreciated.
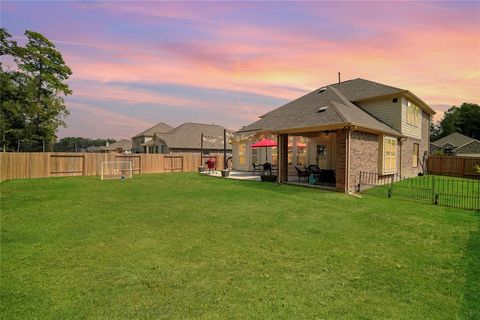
column 116, row 170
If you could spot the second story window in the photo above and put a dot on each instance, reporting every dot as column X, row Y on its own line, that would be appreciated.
column 413, row 114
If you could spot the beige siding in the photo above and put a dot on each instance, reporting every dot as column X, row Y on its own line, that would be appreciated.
column 409, row 130
column 385, row 110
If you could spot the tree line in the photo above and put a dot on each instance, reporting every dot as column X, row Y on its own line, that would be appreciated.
column 464, row 119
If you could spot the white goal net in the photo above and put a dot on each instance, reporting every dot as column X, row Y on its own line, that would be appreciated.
column 116, row 170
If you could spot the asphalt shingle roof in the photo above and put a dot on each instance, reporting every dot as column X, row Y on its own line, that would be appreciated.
column 124, row 144
column 159, row 127
column 455, row 140
column 188, row 136
column 303, row 112
column 359, row 89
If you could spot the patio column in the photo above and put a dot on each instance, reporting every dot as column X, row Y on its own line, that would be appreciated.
column 282, row 157
column 341, row 165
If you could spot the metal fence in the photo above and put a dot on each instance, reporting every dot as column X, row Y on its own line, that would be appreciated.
column 453, row 192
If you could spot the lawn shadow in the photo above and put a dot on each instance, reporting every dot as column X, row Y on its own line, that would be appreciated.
column 471, row 294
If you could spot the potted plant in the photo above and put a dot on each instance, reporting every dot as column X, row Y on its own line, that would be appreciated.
column 225, row 173
column 269, row 177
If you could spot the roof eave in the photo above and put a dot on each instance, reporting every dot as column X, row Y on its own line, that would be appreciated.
column 425, row 106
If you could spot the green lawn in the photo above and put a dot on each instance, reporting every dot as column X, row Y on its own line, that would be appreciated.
column 188, row 246
column 447, row 191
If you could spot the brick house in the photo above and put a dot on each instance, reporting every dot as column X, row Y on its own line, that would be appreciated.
column 347, row 127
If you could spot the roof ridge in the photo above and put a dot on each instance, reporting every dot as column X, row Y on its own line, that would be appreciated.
column 382, row 84
column 344, row 100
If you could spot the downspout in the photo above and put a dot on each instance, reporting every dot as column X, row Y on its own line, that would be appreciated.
column 402, row 140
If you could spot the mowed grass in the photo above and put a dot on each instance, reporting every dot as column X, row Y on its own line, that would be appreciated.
column 182, row 246
column 448, row 191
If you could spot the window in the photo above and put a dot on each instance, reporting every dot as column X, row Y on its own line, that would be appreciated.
column 389, row 154
column 321, row 150
column 242, row 154
column 255, row 155
column 413, row 114
column 395, row 100
column 162, row 148
column 415, row 155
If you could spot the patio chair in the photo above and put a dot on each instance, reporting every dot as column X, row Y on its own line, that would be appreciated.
column 302, row 173
column 314, row 169
column 267, row 169
column 257, row 168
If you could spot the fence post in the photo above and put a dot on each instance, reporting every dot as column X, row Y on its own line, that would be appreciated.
column 390, row 190
column 434, row 196
column 359, row 181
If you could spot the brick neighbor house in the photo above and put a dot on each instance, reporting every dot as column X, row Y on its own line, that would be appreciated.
column 347, row 127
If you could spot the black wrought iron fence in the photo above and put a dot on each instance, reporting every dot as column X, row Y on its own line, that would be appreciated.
column 453, row 192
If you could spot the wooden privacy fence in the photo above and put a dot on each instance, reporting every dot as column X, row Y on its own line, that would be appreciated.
column 50, row 164
column 453, row 166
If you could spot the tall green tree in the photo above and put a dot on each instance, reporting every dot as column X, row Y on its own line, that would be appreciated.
column 464, row 119
column 32, row 104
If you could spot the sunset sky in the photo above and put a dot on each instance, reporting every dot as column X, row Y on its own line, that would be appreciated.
column 138, row 63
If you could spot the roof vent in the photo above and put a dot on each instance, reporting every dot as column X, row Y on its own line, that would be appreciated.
column 322, row 109
column 322, row 90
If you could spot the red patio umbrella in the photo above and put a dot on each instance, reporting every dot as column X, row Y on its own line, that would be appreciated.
column 265, row 143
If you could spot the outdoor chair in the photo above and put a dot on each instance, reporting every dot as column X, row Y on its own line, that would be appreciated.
column 302, row 173
column 267, row 169
column 314, row 169
column 257, row 168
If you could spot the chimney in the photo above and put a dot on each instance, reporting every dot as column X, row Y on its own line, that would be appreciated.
column 339, row 78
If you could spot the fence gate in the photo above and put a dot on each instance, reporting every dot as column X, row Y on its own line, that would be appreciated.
column 67, row 164
column 173, row 163
column 453, row 192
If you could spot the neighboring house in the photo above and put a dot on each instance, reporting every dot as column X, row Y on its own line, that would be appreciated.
column 93, row 149
column 456, row 144
column 188, row 138
column 143, row 137
column 185, row 138
column 348, row 127
column 121, row 146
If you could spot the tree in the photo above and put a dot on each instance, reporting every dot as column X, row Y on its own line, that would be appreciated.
column 32, row 104
column 464, row 119
column 79, row 143
column 435, row 131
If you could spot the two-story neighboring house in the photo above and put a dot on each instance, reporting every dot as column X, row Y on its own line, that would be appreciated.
column 347, row 127
column 144, row 137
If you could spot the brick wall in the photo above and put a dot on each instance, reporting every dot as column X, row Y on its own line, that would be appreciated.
column 363, row 154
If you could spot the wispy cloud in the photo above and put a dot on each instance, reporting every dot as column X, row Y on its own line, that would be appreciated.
column 225, row 54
